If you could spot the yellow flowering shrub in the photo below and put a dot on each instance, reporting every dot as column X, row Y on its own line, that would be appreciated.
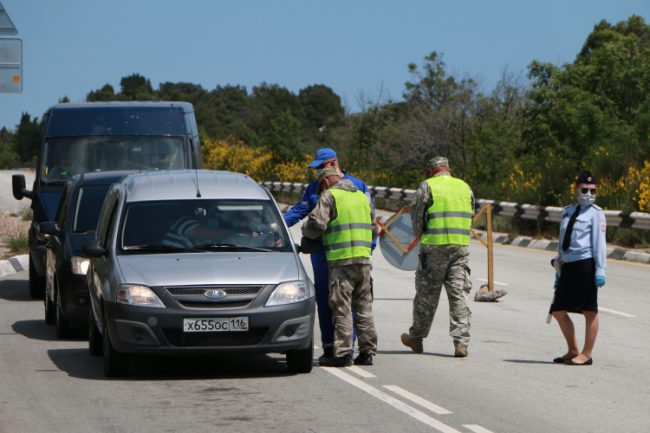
column 630, row 192
column 256, row 162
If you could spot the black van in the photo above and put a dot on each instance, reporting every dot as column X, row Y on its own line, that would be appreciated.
column 102, row 136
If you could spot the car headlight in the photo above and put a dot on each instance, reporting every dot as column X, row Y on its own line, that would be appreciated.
column 142, row 296
column 79, row 265
column 288, row 293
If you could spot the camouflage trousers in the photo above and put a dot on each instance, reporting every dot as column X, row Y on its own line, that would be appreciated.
column 446, row 265
column 351, row 288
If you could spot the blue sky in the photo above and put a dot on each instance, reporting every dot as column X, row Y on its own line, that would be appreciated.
column 359, row 48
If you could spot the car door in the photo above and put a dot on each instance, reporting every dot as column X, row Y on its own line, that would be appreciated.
column 100, row 270
column 54, row 244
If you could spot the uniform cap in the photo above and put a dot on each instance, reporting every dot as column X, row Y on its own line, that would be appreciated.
column 438, row 161
column 586, row 177
column 322, row 155
column 327, row 171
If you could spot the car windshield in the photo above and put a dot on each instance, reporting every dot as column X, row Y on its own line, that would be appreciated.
column 65, row 157
column 203, row 225
column 89, row 203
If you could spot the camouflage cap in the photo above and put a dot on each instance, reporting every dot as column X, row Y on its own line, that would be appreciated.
column 438, row 161
column 327, row 171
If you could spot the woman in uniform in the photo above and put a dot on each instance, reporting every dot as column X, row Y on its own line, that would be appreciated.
column 582, row 260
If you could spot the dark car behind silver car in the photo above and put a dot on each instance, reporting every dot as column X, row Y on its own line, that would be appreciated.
column 196, row 261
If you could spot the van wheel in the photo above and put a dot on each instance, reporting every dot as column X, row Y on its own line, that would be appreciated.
column 36, row 282
column 95, row 342
column 49, row 310
column 301, row 361
column 116, row 364
column 62, row 324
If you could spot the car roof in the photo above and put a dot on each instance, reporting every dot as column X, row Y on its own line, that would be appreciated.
column 186, row 106
column 101, row 177
column 190, row 185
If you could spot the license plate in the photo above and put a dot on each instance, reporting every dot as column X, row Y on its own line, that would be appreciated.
column 230, row 324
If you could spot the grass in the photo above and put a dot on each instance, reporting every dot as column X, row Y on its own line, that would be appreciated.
column 13, row 233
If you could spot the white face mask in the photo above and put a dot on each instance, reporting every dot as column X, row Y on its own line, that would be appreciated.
column 586, row 199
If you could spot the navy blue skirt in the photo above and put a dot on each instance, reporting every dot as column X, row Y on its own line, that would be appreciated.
column 577, row 291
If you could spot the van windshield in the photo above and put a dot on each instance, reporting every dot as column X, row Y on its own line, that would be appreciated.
column 65, row 157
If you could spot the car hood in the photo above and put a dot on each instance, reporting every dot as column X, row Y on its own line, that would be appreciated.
column 209, row 268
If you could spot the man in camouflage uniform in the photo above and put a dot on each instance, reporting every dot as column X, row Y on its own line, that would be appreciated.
column 441, row 210
column 343, row 216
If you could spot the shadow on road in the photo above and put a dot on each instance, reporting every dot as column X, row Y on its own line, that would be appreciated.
column 527, row 361
column 78, row 363
column 35, row 330
column 410, row 352
column 15, row 290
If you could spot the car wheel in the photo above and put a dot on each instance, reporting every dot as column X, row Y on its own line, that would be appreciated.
column 116, row 364
column 49, row 310
column 62, row 324
column 300, row 361
column 95, row 342
column 36, row 282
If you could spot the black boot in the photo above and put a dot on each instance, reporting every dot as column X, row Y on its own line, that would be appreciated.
column 364, row 358
column 334, row 361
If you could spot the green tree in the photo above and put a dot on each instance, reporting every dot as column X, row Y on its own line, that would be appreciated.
column 8, row 156
column 106, row 93
column 135, row 87
column 593, row 113
column 321, row 107
column 27, row 138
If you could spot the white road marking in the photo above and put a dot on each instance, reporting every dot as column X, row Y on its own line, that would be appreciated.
column 397, row 404
column 476, row 428
column 495, row 282
column 418, row 400
column 614, row 312
column 360, row 372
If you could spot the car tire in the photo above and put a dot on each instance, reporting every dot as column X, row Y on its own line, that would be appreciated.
column 49, row 310
column 301, row 361
column 62, row 324
column 116, row 364
column 36, row 282
column 95, row 338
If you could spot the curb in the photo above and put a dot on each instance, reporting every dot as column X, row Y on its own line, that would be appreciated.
column 14, row 264
column 551, row 245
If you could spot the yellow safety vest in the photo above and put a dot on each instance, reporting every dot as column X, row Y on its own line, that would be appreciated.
column 449, row 219
column 350, row 234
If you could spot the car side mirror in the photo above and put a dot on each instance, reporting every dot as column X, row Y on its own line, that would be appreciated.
column 49, row 228
column 18, row 187
column 93, row 249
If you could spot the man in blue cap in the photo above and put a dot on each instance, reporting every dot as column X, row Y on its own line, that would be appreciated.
column 325, row 157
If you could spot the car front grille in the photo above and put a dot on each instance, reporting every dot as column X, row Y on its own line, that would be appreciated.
column 194, row 296
column 176, row 337
column 213, row 305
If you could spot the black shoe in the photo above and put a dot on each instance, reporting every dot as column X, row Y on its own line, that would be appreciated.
column 334, row 361
column 571, row 362
column 364, row 358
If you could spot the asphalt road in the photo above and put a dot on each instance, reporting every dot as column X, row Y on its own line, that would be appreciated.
column 507, row 385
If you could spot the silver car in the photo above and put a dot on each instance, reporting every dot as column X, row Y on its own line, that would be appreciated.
column 196, row 261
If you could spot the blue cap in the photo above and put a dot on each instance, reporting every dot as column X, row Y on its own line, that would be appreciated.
column 322, row 155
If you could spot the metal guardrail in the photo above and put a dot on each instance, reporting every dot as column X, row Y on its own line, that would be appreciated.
column 615, row 218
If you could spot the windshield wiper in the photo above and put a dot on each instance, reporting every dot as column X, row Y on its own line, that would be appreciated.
column 158, row 248
column 230, row 247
